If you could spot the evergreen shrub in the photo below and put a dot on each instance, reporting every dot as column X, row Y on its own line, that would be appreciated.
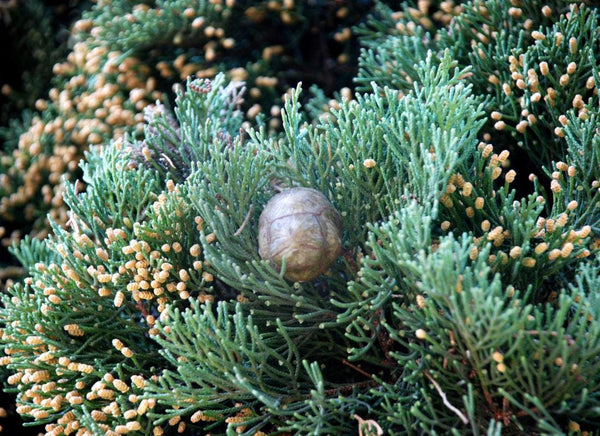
column 465, row 300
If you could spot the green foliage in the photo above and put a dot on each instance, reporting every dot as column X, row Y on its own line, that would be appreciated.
column 506, row 60
column 460, row 304
column 506, row 47
column 89, row 300
column 233, row 362
column 126, row 55
column 580, row 184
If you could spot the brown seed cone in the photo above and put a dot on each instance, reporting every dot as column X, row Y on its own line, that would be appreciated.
column 302, row 227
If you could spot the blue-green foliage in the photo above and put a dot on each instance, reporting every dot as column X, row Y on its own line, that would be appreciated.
column 458, row 305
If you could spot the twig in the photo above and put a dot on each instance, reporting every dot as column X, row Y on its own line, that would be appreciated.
column 555, row 334
column 248, row 215
column 169, row 161
column 462, row 417
column 350, row 387
column 11, row 271
column 356, row 368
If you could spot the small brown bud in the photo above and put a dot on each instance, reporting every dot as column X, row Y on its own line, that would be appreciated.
column 538, row 35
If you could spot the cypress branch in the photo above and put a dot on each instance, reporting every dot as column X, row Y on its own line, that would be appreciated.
column 464, row 299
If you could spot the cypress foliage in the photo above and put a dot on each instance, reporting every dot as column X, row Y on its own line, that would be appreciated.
column 465, row 299
column 126, row 55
